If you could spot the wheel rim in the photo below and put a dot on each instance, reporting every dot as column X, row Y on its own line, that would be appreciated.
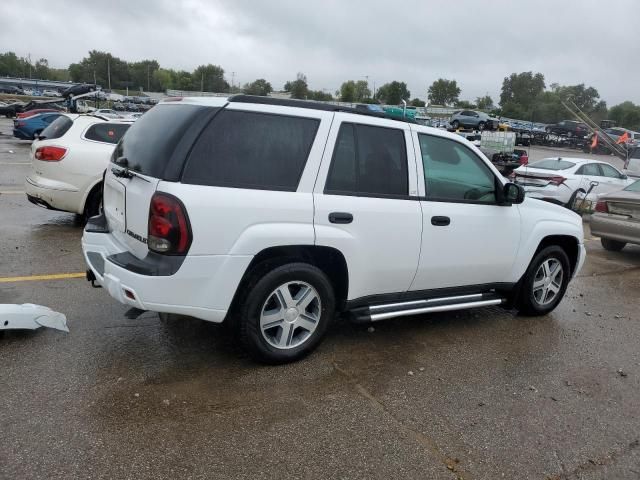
column 290, row 315
column 548, row 281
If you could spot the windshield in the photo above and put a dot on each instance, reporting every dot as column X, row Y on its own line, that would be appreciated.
column 552, row 164
column 634, row 187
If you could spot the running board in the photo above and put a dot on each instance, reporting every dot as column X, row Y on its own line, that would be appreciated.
column 375, row 313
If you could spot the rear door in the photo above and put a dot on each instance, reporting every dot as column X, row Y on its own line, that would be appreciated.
column 366, row 203
column 611, row 180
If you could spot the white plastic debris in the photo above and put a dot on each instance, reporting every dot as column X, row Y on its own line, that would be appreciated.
column 30, row 317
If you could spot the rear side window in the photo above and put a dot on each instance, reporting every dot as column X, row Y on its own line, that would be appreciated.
column 149, row 143
column 251, row 150
column 57, row 128
column 368, row 161
column 106, row 132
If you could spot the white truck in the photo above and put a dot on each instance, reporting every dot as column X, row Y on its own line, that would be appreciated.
column 275, row 215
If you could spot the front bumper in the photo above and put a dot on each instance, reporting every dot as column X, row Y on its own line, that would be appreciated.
column 615, row 227
column 202, row 287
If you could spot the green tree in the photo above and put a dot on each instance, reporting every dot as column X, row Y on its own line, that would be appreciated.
column 258, row 87
column 393, row 93
column 209, row 78
column 319, row 96
column 485, row 103
column 443, row 92
column 416, row 102
column 298, row 87
column 467, row 105
column 141, row 74
column 348, row 91
column 520, row 90
column 626, row 114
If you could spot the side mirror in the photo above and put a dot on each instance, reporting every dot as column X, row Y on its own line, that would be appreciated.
column 513, row 194
column 623, row 177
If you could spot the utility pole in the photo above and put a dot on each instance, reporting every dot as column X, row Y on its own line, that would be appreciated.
column 148, row 78
column 109, row 72
column 233, row 76
column 202, row 82
column 29, row 56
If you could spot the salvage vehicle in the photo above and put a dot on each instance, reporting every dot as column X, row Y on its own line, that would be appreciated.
column 473, row 119
column 617, row 218
column 563, row 180
column 570, row 128
column 68, row 161
column 275, row 215
column 29, row 128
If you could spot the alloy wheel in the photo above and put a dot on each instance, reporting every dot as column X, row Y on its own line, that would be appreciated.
column 290, row 315
column 547, row 282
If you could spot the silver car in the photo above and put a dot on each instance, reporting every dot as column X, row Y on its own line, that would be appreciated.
column 617, row 218
column 473, row 119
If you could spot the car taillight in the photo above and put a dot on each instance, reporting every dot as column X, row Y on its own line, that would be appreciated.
column 557, row 180
column 524, row 159
column 50, row 154
column 169, row 229
column 601, row 207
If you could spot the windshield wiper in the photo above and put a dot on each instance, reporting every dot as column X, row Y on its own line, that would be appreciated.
column 124, row 171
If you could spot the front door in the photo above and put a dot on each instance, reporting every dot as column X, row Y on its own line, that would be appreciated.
column 468, row 239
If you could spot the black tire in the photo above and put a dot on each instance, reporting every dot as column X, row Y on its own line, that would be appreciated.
column 612, row 245
column 258, row 293
column 527, row 303
column 481, row 126
column 572, row 200
column 93, row 205
column 455, row 124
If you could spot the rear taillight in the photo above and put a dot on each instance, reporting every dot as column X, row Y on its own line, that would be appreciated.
column 524, row 159
column 50, row 154
column 601, row 207
column 557, row 180
column 20, row 124
column 169, row 228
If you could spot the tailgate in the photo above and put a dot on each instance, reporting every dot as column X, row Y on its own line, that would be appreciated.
column 126, row 207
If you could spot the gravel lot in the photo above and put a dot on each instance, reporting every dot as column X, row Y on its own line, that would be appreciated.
column 482, row 394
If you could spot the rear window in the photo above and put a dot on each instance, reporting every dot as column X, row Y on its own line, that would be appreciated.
column 106, row 132
column 149, row 143
column 552, row 164
column 58, row 128
column 251, row 150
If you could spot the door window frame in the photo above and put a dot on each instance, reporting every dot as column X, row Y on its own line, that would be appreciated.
column 499, row 182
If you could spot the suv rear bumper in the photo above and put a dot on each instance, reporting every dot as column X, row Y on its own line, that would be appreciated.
column 202, row 287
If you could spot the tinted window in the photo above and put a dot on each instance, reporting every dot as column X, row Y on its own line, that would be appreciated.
column 589, row 169
column 609, row 171
column 251, row 150
column 454, row 173
column 368, row 161
column 150, row 142
column 552, row 164
column 57, row 128
column 106, row 132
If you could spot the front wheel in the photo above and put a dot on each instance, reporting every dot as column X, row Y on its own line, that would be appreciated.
column 285, row 314
column 612, row 245
column 481, row 126
column 544, row 282
column 455, row 124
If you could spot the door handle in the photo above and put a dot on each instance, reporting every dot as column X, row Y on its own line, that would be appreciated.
column 340, row 217
column 440, row 221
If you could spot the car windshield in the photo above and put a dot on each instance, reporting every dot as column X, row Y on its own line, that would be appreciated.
column 552, row 164
column 634, row 187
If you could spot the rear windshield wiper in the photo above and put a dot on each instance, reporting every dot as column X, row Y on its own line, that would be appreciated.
column 125, row 172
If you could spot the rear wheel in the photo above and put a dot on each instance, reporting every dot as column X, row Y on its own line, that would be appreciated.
column 481, row 126
column 612, row 245
column 285, row 314
column 544, row 282
column 455, row 124
column 93, row 205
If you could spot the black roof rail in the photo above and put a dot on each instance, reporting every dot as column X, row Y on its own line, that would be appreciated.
column 327, row 107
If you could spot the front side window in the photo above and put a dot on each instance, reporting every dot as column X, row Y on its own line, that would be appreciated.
column 609, row 171
column 368, row 161
column 251, row 150
column 454, row 173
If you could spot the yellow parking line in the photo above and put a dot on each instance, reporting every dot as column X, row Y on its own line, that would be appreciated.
column 33, row 278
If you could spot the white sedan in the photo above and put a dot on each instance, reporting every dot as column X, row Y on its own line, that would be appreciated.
column 562, row 180
column 68, row 162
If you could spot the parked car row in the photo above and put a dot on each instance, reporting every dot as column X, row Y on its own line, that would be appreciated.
column 131, row 107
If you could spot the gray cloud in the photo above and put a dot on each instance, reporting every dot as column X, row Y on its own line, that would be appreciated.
column 477, row 43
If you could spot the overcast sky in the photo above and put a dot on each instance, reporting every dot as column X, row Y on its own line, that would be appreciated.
column 477, row 43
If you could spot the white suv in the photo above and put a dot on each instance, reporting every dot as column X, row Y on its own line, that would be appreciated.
column 276, row 214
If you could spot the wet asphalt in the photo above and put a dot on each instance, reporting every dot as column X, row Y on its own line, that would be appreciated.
column 482, row 394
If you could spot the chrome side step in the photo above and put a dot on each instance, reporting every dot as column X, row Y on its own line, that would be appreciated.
column 375, row 313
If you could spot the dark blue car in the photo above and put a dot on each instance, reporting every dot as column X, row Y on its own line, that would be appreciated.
column 29, row 128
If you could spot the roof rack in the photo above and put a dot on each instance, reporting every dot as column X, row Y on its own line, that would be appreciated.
column 327, row 107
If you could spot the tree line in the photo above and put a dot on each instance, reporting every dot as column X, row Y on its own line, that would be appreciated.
column 524, row 95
